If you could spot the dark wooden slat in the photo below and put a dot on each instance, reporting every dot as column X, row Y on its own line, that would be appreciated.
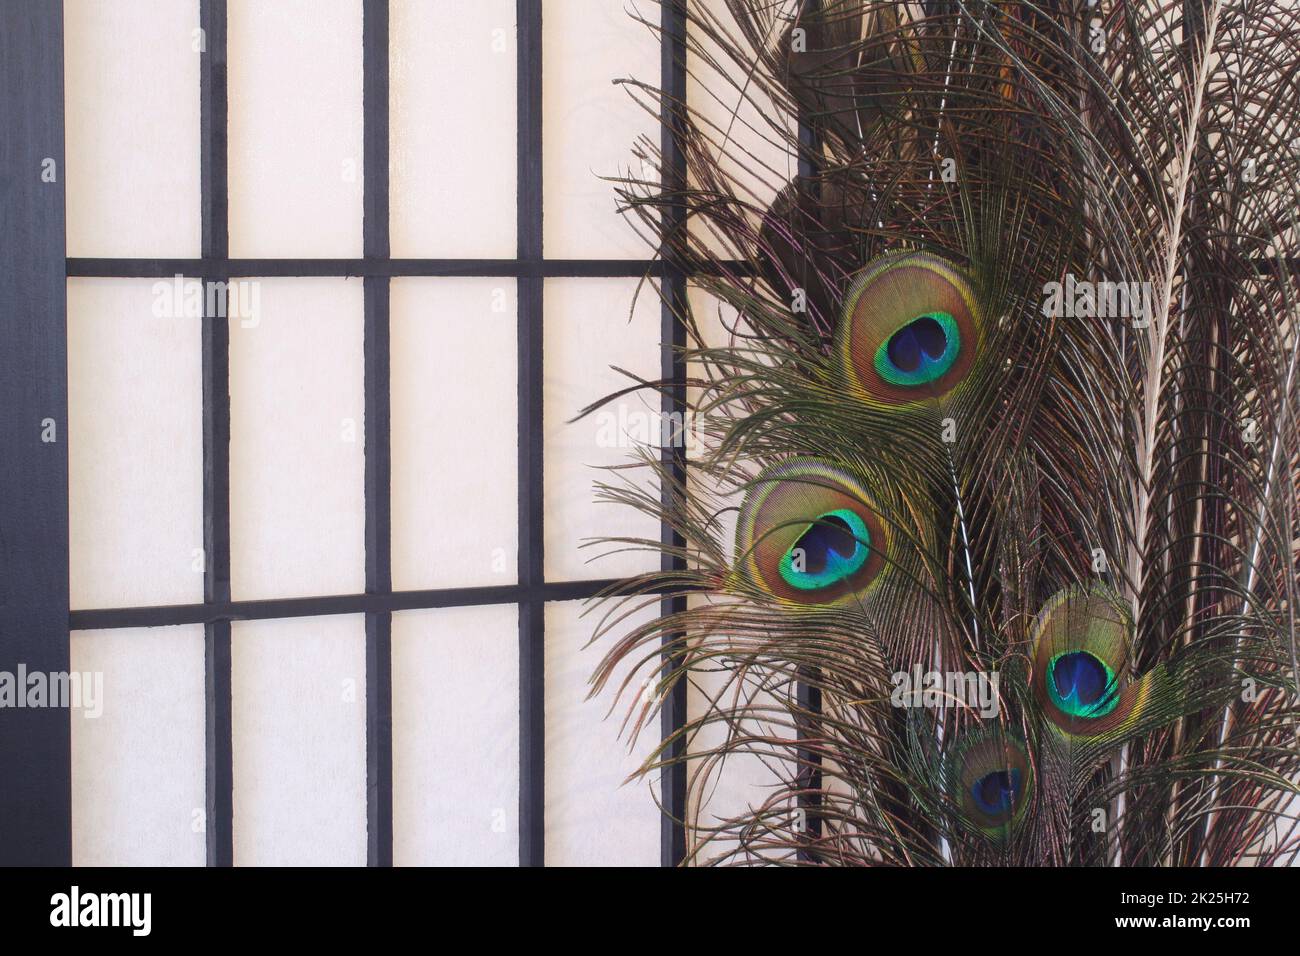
column 35, row 748
column 272, row 608
column 532, row 647
column 216, row 441
column 379, row 577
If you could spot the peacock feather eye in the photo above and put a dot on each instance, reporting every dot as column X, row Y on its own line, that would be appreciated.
column 911, row 330
column 997, row 792
column 834, row 547
column 919, row 352
column 809, row 535
column 991, row 776
column 1082, row 684
column 1080, row 659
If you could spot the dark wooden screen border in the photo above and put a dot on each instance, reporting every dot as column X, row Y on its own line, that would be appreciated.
column 35, row 744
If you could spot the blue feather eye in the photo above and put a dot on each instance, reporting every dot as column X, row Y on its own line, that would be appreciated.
column 1082, row 684
column 832, row 549
column 911, row 332
column 996, row 793
column 990, row 774
column 920, row 352
column 1081, row 647
column 808, row 536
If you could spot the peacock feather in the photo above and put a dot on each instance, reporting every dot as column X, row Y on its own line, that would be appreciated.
column 993, row 334
column 911, row 332
column 991, row 782
column 809, row 536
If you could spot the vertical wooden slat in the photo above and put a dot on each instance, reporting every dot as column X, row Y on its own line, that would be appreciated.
column 532, row 640
column 35, row 743
column 379, row 576
column 216, row 439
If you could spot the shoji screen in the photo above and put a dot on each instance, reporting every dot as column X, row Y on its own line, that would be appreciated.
column 341, row 272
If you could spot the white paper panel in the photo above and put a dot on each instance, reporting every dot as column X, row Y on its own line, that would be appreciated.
column 746, row 781
column 746, row 130
column 131, row 107
column 295, row 128
column 297, row 442
column 452, row 128
column 138, row 768
column 456, row 737
column 135, row 446
column 590, row 124
column 715, row 321
column 298, row 698
column 588, row 331
column 454, row 459
column 592, row 818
